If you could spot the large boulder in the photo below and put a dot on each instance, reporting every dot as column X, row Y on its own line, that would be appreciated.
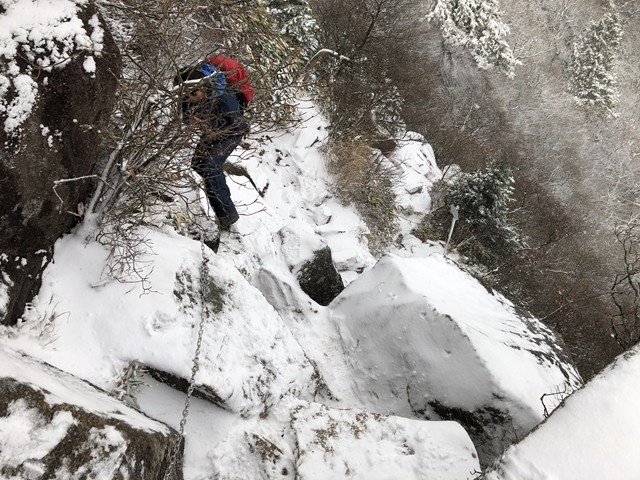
column 50, row 121
column 422, row 338
column 309, row 259
column 54, row 425
column 248, row 358
column 319, row 278
column 591, row 436
column 311, row 441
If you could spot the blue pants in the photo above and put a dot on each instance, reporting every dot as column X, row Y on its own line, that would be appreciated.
column 207, row 162
column 227, row 123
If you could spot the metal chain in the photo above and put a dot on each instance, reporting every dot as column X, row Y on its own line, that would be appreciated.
column 204, row 273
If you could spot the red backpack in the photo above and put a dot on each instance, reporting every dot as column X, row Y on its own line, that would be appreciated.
column 236, row 76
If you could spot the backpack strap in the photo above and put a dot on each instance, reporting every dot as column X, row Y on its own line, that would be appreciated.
column 236, row 75
column 217, row 78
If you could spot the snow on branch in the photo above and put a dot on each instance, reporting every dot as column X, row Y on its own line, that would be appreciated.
column 477, row 26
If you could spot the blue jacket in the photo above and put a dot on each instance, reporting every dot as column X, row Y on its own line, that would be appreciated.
column 222, row 111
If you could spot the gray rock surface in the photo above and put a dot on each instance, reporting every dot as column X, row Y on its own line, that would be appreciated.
column 57, row 141
column 319, row 278
column 54, row 425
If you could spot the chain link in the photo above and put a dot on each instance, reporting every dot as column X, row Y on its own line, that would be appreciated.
column 204, row 274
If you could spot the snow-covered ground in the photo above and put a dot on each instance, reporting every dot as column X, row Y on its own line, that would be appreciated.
column 297, row 387
column 592, row 436
column 357, row 389
column 253, row 356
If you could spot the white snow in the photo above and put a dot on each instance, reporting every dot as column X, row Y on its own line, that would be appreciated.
column 302, row 387
column 256, row 355
column 248, row 357
column 404, row 324
column 5, row 283
column 46, row 33
column 89, row 65
column 340, row 443
column 592, row 436
column 25, row 435
column 108, row 447
column 59, row 388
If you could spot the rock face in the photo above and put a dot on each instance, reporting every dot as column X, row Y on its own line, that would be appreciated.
column 56, row 141
column 309, row 259
column 53, row 425
column 424, row 339
column 319, row 278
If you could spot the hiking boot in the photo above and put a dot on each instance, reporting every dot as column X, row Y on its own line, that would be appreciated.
column 228, row 220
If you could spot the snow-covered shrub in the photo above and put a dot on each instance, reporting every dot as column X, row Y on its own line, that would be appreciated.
column 146, row 165
column 296, row 22
column 484, row 201
column 361, row 100
column 594, row 56
column 477, row 26
column 367, row 179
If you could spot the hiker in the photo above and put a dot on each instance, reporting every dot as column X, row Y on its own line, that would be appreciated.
column 213, row 102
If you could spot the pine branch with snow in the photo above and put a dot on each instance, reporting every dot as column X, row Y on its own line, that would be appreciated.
column 484, row 201
column 477, row 26
column 594, row 57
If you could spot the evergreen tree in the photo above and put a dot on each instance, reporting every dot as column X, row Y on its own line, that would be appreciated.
column 594, row 58
column 296, row 22
column 483, row 197
column 477, row 26
column 484, row 200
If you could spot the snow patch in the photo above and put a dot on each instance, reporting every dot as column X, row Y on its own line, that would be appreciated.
column 59, row 388
column 444, row 337
column 26, row 436
column 46, row 33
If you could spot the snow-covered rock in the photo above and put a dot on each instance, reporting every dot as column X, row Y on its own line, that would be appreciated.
column 591, row 436
column 337, row 444
column 248, row 359
column 309, row 259
column 51, row 112
column 310, row 441
column 415, row 160
column 54, row 425
column 300, row 389
column 423, row 338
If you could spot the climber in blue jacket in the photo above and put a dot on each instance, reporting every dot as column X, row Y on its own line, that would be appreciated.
column 211, row 105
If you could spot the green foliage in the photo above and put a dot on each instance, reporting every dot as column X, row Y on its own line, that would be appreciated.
column 484, row 199
column 594, row 57
column 477, row 26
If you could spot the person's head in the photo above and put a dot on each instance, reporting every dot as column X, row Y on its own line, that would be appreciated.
column 189, row 74
column 193, row 91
